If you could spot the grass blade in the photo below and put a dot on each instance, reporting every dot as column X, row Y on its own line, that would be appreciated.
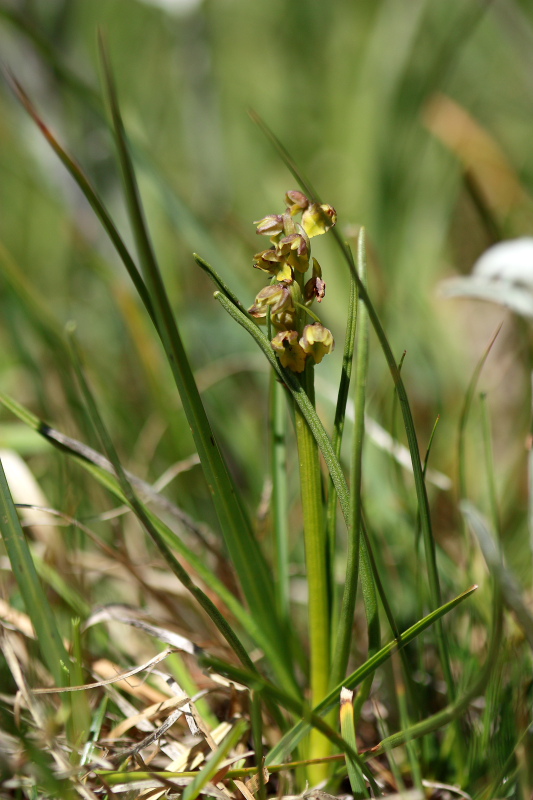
column 338, row 429
column 505, row 580
column 280, row 502
column 355, row 774
column 345, row 625
column 35, row 600
column 213, row 762
column 369, row 590
column 465, row 413
column 257, row 736
column 89, row 192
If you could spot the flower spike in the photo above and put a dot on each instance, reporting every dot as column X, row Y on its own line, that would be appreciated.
column 287, row 261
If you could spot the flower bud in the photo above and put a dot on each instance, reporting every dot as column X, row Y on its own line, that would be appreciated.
column 315, row 286
column 317, row 341
column 296, row 202
column 318, row 219
column 289, row 350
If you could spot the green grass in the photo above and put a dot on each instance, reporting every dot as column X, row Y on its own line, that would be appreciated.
column 291, row 556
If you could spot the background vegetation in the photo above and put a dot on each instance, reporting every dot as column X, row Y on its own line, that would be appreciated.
column 412, row 119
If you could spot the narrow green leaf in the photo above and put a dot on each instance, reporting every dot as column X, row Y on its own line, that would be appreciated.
column 338, row 429
column 35, row 600
column 256, row 717
column 506, row 581
column 257, row 587
column 322, row 439
column 278, row 696
column 345, row 625
column 214, row 760
column 357, row 782
column 90, row 193
column 368, row 590
column 216, row 278
column 96, row 726
column 465, row 413
column 280, row 503
column 79, row 723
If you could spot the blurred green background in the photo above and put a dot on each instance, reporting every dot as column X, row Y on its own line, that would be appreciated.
column 411, row 117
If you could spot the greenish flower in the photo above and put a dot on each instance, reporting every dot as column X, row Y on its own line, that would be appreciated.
column 296, row 202
column 318, row 219
column 297, row 248
column 271, row 225
column 284, row 320
column 317, row 341
column 289, row 350
column 274, row 263
column 276, row 297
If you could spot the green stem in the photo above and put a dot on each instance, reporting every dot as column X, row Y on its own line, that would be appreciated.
column 317, row 577
column 279, row 493
column 316, row 562
column 308, row 311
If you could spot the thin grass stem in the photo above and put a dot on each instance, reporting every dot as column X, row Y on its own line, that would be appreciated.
column 280, row 503
column 35, row 600
column 338, row 430
column 344, row 628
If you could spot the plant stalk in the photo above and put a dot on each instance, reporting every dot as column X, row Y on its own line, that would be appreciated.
column 317, row 578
